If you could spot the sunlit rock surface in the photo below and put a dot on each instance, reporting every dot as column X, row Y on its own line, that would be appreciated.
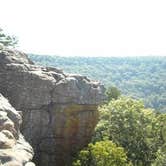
column 59, row 110
column 14, row 150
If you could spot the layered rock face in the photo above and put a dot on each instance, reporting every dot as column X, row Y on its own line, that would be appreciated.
column 59, row 110
column 14, row 150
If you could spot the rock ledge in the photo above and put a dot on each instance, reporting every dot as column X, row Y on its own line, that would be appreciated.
column 59, row 110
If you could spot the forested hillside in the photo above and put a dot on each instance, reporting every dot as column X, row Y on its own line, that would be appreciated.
column 139, row 77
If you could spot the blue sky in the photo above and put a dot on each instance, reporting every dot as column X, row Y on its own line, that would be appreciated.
column 87, row 27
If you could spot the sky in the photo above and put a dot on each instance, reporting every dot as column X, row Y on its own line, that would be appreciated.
column 87, row 27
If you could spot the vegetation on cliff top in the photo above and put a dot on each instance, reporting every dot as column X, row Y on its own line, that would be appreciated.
column 7, row 40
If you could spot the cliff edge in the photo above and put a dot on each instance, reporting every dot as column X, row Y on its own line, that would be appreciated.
column 59, row 110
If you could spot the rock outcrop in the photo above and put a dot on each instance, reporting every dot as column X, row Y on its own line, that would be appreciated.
column 59, row 110
column 14, row 150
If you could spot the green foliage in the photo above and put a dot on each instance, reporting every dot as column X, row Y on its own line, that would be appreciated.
column 112, row 93
column 7, row 40
column 141, row 132
column 103, row 153
column 161, row 157
column 139, row 77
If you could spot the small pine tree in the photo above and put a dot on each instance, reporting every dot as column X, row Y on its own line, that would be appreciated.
column 7, row 40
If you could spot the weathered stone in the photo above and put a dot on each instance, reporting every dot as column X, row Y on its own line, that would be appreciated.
column 29, row 164
column 59, row 110
column 1, row 46
column 14, row 150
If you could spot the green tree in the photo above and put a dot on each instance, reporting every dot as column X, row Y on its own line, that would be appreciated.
column 112, row 93
column 160, row 135
column 103, row 153
column 7, row 40
column 160, row 157
column 129, row 124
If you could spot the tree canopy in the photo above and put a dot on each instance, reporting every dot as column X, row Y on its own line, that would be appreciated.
column 7, row 40
column 103, row 153
column 112, row 93
column 140, row 131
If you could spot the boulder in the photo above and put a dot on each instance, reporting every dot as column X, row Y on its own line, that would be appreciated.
column 59, row 110
column 14, row 150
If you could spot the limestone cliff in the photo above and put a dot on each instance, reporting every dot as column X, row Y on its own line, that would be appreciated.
column 14, row 150
column 59, row 110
